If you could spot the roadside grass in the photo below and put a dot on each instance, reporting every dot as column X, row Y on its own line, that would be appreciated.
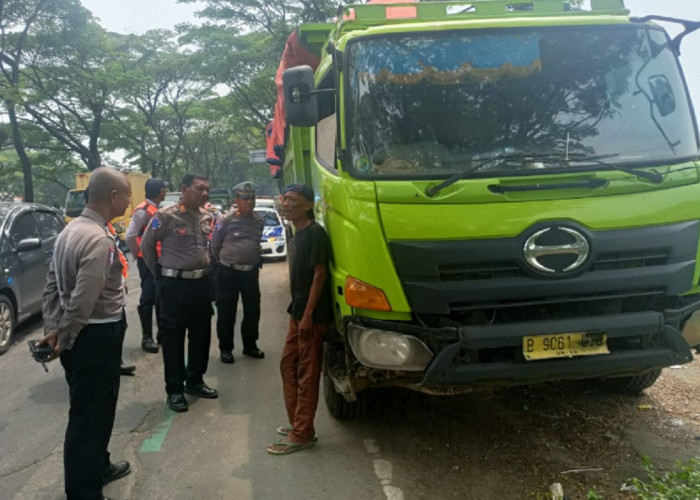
column 683, row 483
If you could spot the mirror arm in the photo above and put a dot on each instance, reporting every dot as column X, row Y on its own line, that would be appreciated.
column 689, row 26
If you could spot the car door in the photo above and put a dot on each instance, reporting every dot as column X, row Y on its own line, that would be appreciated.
column 28, row 267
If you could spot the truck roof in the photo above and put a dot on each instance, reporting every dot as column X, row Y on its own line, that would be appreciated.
column 361, row 16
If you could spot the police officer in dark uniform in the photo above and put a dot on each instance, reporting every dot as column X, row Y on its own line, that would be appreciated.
column 236, row 249
column 183, row 290
column 140, row 217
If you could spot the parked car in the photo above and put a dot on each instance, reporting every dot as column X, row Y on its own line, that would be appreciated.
column 27, row 235
column 274, row 241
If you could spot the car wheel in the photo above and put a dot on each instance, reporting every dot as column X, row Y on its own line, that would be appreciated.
column 7, row 323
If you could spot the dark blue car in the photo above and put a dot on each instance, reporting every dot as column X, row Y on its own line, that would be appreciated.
column 27, row 235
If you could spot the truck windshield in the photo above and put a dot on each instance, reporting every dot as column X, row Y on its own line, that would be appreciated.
column 506, row 102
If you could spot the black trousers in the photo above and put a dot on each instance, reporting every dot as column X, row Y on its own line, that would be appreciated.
column 92, row 373
column 185, row 308
column 148, row 284
column 229, row 284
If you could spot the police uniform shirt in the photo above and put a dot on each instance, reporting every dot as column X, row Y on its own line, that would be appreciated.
column 138, row 219
column 184, row 236
column 85, row 283
column 236, row 239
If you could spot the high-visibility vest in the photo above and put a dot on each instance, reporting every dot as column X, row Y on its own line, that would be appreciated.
column 122, row 258
column 151, row 210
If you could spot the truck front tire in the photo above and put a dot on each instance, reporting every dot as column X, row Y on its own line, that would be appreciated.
column 631, row 385
column 337, row 405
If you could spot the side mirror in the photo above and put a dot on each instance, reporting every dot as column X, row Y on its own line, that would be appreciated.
column 28, row 244
column 662, row 92
column 300, row 100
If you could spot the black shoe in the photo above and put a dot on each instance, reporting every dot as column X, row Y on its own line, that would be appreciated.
column 149, row 345
column 177, row 402
column 227, row 357
column 116, row 471
column 203, row 391
column 127, row 369
column 254, row 353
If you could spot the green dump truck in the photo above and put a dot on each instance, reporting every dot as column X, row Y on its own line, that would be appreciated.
column 512, row 193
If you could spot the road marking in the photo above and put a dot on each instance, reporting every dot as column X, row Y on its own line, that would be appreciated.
column 154, row 442
column 383, row 469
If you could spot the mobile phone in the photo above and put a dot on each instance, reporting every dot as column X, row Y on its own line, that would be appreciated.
column 40, row 353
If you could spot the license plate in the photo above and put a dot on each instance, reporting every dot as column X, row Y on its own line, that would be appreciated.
column 564, row 345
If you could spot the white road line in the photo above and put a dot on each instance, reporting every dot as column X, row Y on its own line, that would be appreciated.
column 383, row 469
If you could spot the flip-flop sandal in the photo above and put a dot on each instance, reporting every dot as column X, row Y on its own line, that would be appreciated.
column 282, row 448
column 284, row 430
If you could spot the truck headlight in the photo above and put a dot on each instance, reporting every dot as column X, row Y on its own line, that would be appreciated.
column 388, row 350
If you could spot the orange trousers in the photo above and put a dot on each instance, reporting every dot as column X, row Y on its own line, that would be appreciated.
column 301, row 364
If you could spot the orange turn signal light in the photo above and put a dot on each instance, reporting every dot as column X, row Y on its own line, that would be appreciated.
column 360, row 294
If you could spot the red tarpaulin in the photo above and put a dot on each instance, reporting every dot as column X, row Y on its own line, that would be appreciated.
column 295, row 54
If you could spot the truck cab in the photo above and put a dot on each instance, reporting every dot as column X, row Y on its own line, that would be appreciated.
column 510, row 190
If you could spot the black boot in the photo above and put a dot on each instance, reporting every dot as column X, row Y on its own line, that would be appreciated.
column 146, row 317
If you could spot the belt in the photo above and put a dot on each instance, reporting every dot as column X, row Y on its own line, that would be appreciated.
column 240, row 267
column 188, row 274
column 101, row 321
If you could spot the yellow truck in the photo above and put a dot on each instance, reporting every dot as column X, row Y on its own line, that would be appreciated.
column 75, row 199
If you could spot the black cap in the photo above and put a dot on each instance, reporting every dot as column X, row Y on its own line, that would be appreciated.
column 304, row 190
column 154, row 186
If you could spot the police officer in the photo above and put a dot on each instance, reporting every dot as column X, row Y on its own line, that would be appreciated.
column 183, row 292
column 140, row 217
column 83, row 308
column 236, row 249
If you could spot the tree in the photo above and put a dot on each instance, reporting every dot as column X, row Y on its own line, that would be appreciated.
column 20, row 22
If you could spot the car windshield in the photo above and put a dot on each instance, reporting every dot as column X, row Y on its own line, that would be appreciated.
column 75, row 202
column 502, row 102
column 269, row 217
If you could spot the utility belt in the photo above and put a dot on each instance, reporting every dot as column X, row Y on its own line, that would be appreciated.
column 187, row 274
column 240, row 267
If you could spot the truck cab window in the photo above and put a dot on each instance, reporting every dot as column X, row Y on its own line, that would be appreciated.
column 325, row 141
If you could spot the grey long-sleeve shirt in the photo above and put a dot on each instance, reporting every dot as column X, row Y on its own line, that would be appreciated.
column 236, row 239
column 85, row 282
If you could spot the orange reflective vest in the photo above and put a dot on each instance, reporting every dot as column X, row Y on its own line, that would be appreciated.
column 151, row 210
column 122, row 258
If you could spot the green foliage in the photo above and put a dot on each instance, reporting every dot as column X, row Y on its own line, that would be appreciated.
column 683, row 483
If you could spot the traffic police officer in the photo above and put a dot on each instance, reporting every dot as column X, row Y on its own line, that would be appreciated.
column 140, row 217
column 183, row 291
column 236, row 249
column 83, row 309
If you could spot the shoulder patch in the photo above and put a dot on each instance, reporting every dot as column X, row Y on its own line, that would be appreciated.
column 156, row 223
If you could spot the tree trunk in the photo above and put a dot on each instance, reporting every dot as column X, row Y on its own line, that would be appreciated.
column 21, row 153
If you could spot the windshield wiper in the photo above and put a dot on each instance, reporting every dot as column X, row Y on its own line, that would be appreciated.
column 652, row 176
column 534, row 157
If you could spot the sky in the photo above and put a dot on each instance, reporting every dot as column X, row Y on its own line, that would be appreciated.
column 138, row 16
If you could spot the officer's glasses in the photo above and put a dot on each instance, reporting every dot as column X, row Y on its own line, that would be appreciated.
column 246, row 198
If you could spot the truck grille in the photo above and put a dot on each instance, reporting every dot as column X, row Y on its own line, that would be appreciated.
column 445, row 277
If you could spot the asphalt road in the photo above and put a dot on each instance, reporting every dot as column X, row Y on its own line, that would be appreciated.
column 215, row 450
column 511, row 444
